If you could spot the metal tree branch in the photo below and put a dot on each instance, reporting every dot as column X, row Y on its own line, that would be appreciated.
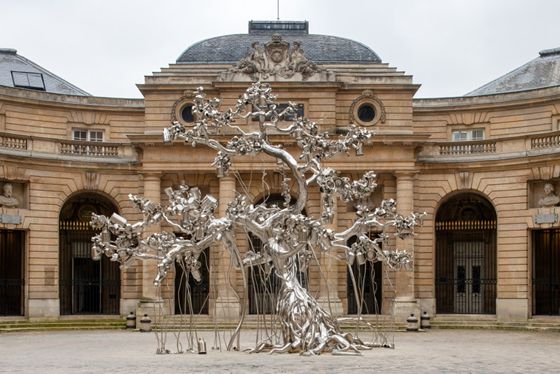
column 289, row 238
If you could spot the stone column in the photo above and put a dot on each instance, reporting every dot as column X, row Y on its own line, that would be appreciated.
column 152, row 191
column 405, row 300
column 227, row 304
column 328, row 289
column 150, row 303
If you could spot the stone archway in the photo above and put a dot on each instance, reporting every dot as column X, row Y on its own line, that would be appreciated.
column 465, row 271
column 86, row 286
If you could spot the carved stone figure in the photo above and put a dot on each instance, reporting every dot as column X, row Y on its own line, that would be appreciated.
column 276, row 58
column 549, row 199
column 254, row 62
column 299, row 63
column 7, row 199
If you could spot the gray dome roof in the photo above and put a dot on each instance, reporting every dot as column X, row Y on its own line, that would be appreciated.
column 544, row 71
column 320, row 49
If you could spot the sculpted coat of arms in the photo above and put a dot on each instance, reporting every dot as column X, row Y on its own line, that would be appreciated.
column 276, row 58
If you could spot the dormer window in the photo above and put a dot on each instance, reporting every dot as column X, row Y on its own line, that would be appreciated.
column 33, row 81
column 467, row 135
column 84, row 135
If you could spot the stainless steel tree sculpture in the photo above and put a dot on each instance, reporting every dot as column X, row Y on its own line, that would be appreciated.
column 290, row 239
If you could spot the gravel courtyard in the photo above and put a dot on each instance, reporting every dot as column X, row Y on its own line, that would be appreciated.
column 436, row 351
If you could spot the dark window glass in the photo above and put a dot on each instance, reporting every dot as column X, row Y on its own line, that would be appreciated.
column 186, row 113
column 476, row 279
column 280, row 107
column 366, row 113
column 461, row 279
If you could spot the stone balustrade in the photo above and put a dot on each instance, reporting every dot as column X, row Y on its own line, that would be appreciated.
column 47, row 148
column 467, row 148
column 13, row 141
column 491, row 149
column 546, row 141
column 95, row 149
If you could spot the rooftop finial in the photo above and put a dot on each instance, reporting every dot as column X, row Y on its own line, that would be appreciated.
column 278, row 10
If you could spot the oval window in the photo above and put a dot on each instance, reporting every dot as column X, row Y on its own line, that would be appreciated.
column 366, row 112
column 186, row 113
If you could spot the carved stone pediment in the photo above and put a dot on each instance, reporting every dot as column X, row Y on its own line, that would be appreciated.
column 276, row 59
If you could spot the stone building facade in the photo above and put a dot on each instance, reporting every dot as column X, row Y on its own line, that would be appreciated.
column 484, row 167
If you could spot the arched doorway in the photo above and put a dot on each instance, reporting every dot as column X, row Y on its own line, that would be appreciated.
column 263, row 284
column 191, row 295
column 466, row 256
column 86, row 286
column 368, row 278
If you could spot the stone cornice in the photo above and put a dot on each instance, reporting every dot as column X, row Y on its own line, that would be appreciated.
column 405, row 138
column 68, row 101
column 499, row 101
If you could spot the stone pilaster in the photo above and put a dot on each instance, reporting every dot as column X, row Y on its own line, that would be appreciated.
column 152, row 191
column 328, row 289
column 405, row 300
column 227, row 304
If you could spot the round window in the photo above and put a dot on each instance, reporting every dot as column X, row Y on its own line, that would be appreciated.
column 366, row 112
column 186, row 113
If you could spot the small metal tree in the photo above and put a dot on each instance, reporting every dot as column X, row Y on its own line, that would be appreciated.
column 289, row 238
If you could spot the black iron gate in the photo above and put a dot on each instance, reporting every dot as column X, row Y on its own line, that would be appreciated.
column 369, row 282
column 198, row 291
column 466, row 267
column 546, row 272
column 86, row 286
column 12, row 249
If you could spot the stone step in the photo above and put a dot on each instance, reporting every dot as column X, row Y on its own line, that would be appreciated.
column 174, row 323
column 493, row 324
column 23, row 325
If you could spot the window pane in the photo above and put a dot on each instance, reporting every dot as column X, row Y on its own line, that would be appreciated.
column 35, row 80
column 478, row 134
column 80, row 135
column 20, row 79
column 96, row 136
column 459, row 135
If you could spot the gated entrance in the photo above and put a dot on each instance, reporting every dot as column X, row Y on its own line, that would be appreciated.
column 466, row 256
column 12, row 250
column 191, row 296
column 546, row 272
column 368, row 279
column 86, row 286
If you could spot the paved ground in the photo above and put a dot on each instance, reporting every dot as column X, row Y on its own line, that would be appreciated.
column 437, row 351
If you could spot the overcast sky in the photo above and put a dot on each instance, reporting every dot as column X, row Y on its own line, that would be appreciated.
column 449, row 46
